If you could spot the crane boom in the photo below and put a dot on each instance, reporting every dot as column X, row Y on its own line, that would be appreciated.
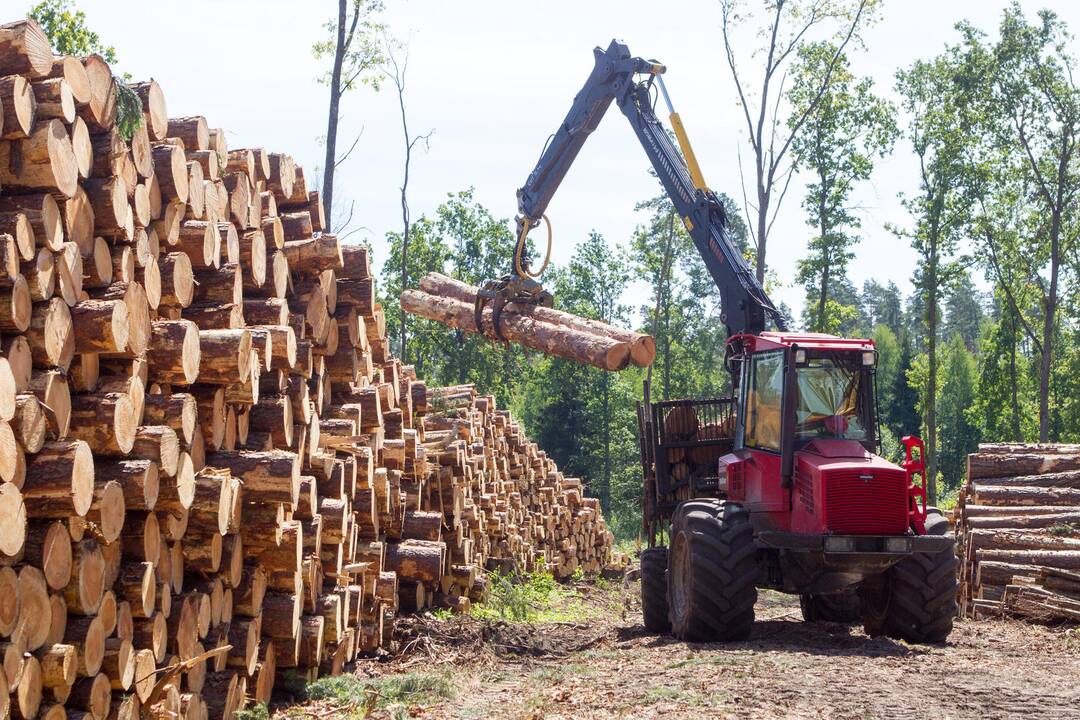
column 745, row 306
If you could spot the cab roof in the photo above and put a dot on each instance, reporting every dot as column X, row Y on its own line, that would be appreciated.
column 771, row 340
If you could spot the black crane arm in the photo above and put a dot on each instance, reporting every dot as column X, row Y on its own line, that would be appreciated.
column 745, row 306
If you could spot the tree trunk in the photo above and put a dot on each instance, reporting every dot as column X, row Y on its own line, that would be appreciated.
column 332, row 118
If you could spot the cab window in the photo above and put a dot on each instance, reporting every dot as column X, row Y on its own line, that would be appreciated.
column 828, row 401
column 764, row 391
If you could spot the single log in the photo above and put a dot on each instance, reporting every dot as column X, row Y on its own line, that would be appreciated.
column 84, row 591
column 43, row 213
column 158, row 444
column 100, row 111
column 266, row 476
column 16, row 306
column 28, row 692
column 416, row 561
column 282, row 176
column 19, row 103
column 59, row 480
column 48, row 546
column 1023, row 495
column 51, row 389
column 420, row 525
column 180, row 411
column 1018, row 522
column 225, row 356
column 54, row 99
column 138, row 480
column 281, row 615
column 118, row 664
column 154, row 112
column 193, row 132
column 177, row 280
column 170, row 168
column 92, row 694
column 1024, row 460
column 107, row 509
column 59, row 663
column 174, row 353
column 201, row 241
column 100, row 326
column 25, row 49
column 105, row 421
column 43, row 161
column 98, row 265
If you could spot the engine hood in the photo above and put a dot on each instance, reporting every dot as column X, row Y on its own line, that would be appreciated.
column 825, row 454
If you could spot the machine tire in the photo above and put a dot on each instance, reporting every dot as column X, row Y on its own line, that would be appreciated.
column 841, row 607
column 654, row 604
column 713, row 572
column 916, row 599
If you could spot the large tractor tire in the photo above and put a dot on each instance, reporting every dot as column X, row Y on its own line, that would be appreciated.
column 916, row 599
column 838, row 608
column 654, row 605
column 712, row 573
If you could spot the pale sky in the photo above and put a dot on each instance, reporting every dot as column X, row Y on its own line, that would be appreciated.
column 494, row 79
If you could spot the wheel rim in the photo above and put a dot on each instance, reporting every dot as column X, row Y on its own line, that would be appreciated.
column 680, row 575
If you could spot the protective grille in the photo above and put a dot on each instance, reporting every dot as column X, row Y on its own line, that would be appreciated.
column 866, row 502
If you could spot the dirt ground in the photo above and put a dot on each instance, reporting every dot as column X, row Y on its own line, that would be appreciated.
column 609, row 667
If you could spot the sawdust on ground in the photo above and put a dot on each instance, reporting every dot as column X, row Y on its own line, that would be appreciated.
column 609, row 667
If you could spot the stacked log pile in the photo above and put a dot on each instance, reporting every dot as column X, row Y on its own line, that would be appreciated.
column 551, row 331
column 1018, row 532
column 212, row 470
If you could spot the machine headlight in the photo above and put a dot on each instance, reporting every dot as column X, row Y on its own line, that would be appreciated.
column 869, row 358
column 840, row 544
column 898, row 545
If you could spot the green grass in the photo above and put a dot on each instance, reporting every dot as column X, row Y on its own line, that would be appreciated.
column 536, row 597
column 354, row 695
column 255, row 712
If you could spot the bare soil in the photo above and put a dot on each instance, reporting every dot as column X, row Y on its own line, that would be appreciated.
column 609, row 667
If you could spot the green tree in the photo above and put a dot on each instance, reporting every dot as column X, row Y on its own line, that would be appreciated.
column 959, row 431
column 902, row 413
column 938, row 132
column 882, row 305
column 964, row 313
column 1005, row 401
column 1028, row 180
column 845, row 129
column 355, row 47
column 887, row 374
column 464, row 240
column 67, row 31
column 771, row 125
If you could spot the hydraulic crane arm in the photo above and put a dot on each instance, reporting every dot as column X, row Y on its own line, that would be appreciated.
column 745, row 306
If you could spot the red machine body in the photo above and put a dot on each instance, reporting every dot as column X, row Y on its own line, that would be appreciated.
column 837, row 486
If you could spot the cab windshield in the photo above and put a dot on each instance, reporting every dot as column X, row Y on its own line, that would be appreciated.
column 828, row 401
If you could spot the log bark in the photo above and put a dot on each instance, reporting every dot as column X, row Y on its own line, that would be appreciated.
column 59, row 480
column 560, row 341
column 24, row 48
column 43, row 161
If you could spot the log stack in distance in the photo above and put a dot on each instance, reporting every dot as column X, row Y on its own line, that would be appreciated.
column 213, row 472
column 1018, row 532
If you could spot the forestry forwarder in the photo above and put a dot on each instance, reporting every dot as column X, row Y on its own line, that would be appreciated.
column 779, row 485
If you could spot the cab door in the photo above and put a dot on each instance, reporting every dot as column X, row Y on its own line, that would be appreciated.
column 760, row 433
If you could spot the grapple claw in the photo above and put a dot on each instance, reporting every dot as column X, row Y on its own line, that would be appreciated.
column 509, row 289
